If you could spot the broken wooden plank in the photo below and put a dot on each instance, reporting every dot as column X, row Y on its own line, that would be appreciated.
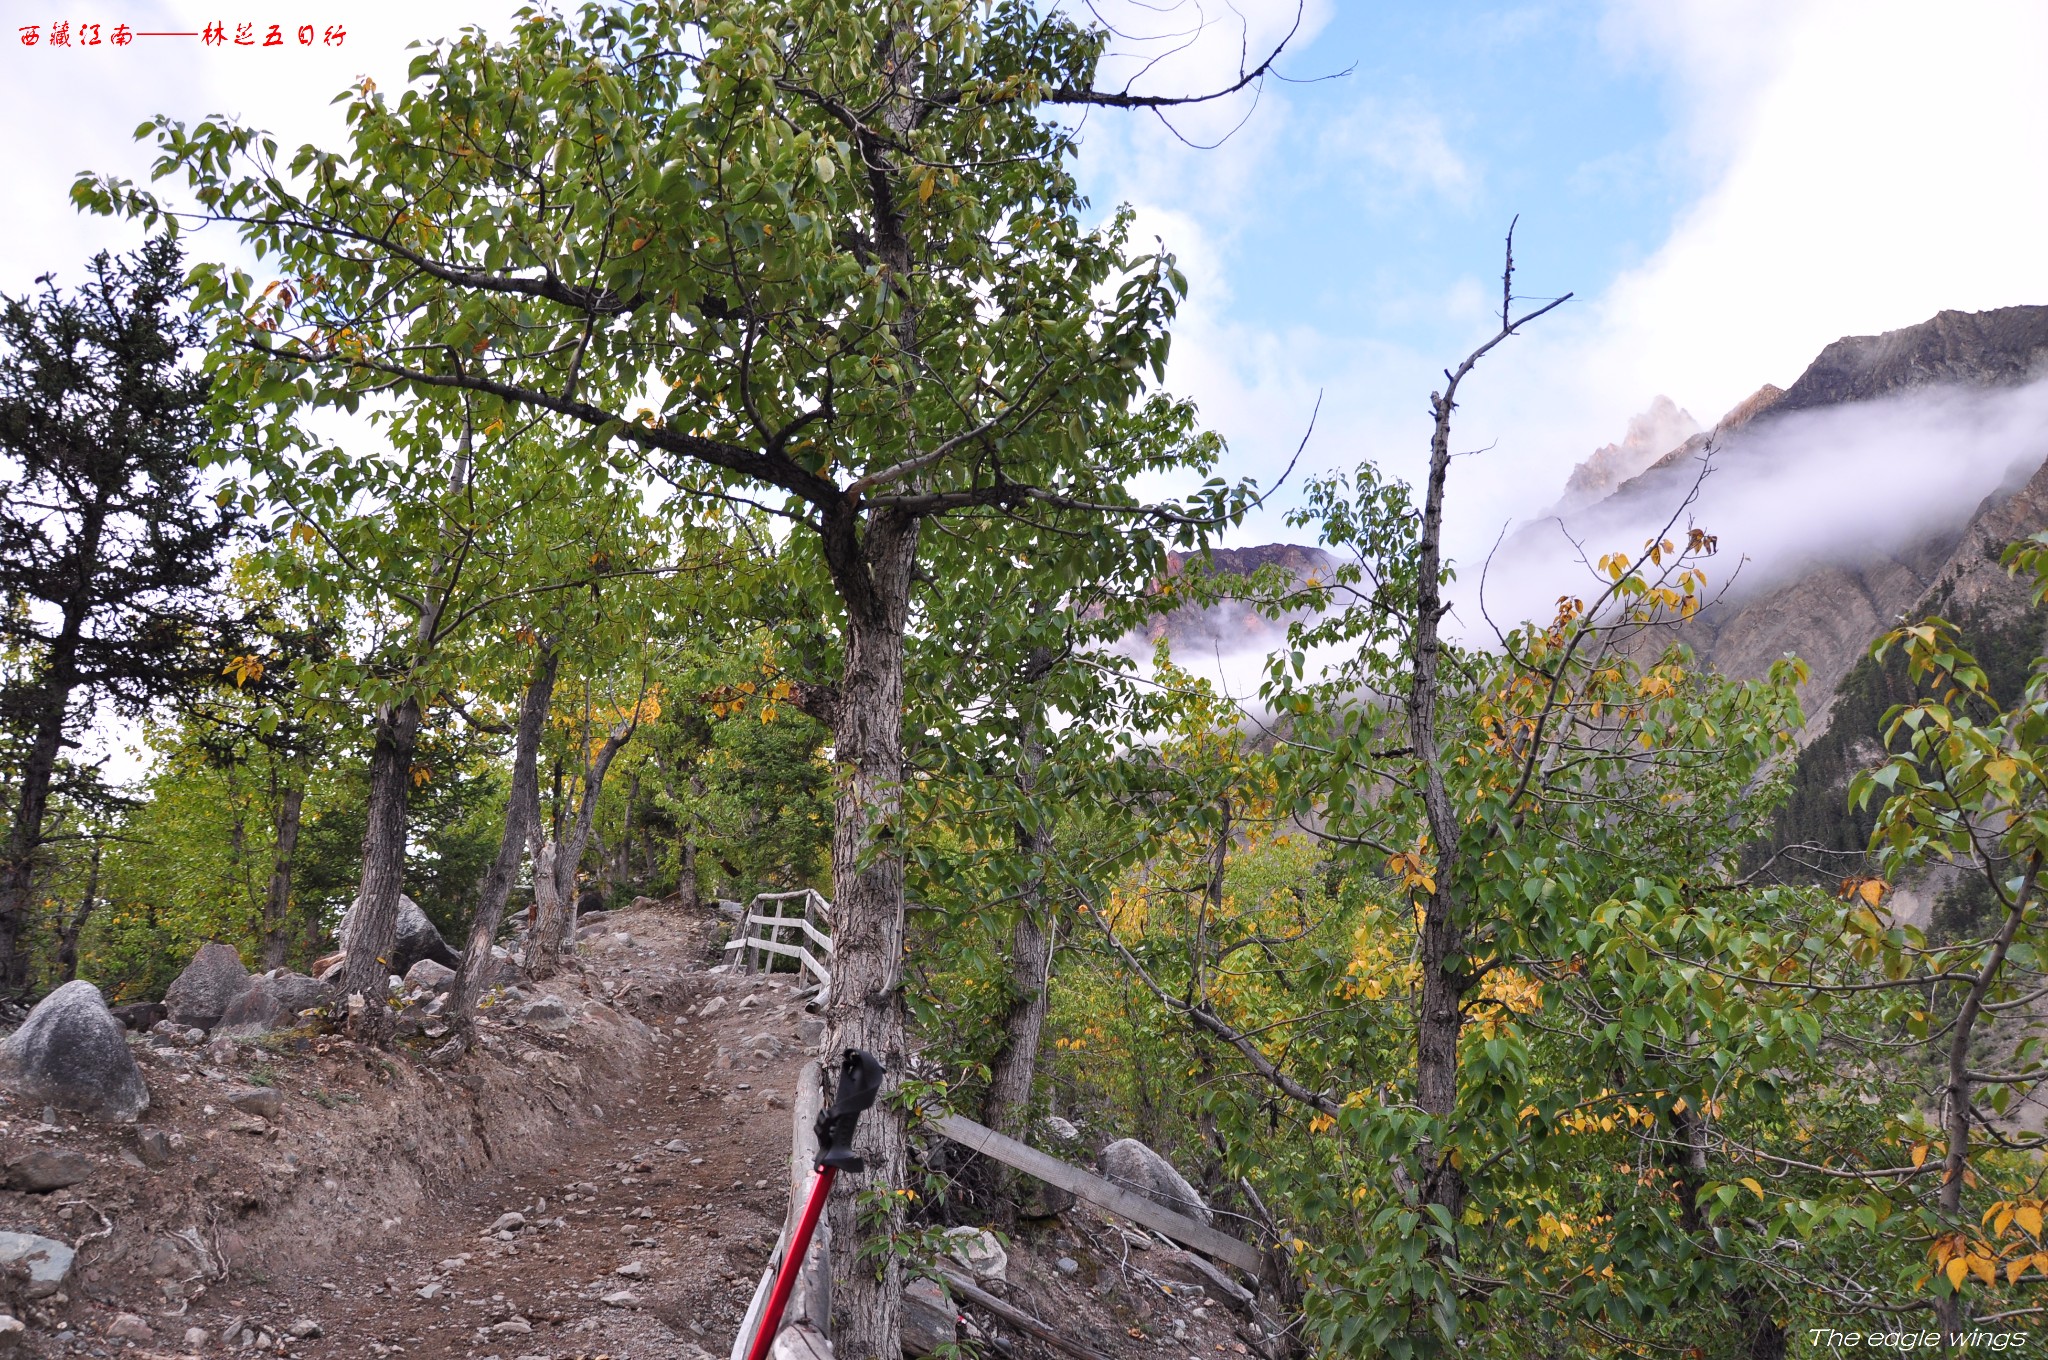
column 1187, row 1231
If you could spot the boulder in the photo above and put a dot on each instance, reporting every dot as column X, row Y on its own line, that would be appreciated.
column 416, row 938
column 72, row 1052
column 207, row 987
column 296, row 992
column 256, row 1011
column 928, row 1318
column 1137, row 1168
column 141, row 1016
column 42, row 1170
column 429, row 976
column 47, row 1261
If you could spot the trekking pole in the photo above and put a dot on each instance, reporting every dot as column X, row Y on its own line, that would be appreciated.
column 859, row 1079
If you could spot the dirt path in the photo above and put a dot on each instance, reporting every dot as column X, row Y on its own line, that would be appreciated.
column 305, row 1196
column 643, row 1241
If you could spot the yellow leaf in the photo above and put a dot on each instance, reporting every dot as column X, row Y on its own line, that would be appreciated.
column 1985, row 1268
column 2029, row 1217
column 2015, row 1269
column 925, row 187
column 1919, row 1154
column 1749, row 1183
column 1956, row 1270
column 1871, row 890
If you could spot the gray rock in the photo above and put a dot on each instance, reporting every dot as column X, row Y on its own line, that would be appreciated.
column 416, row 938
column 508, row 1222
column 153, row 1146
column 256, row 1011
column 48, row 1262
column 430, row 1292
column 207, row 987
column 1067, row 1265
column 929, row 1321
column 141, row 1016
column 810, row 1031
column 257, row 1100
column 128, row 1327
column 196, row 1338
column 305, row 1329
column 45, row 1169
column 978, row 1250
column 1137, row 1168
column 712, row 1007
column 548, row 1012
column 429, row 976
column 296, row 992
column 72, row 1052
column 1060, row 1130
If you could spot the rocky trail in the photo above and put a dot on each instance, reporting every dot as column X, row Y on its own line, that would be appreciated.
column 603, row 1178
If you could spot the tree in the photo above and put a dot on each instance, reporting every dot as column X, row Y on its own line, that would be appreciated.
column 822, row 252
column 107, row 546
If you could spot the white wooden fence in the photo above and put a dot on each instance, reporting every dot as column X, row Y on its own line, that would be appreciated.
column 789, row 924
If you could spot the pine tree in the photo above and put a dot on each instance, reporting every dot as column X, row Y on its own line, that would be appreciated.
column 107, row 546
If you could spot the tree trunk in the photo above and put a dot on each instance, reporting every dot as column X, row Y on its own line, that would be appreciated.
column 867, row 1009
column 550, row 912
column 373, row 921
column 67, row 946
column 1441, row 1014
column 24, row 839
column 32, row 797
column 1011, row 1074
column 522, row 810
column 555, row 902
column 277, row 902
column 32, row 808
column 687, row 895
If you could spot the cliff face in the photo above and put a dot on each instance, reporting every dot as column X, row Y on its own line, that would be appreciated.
column 2002, row 348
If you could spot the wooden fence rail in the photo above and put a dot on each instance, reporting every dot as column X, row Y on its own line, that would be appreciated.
column 768, row 928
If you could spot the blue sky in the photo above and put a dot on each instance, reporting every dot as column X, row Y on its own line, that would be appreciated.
column 1395, row 182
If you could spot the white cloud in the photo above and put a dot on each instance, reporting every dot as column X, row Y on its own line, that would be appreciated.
column 74, row 108
column 1399, row 147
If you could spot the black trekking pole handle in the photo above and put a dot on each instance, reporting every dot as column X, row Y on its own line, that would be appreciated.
column 860, row 1079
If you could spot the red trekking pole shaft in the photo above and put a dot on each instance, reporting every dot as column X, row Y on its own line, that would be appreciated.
column 859, row 1081
column 792, row 1263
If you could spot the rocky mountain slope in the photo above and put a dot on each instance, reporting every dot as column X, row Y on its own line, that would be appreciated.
column 1951, row 410
column 1229, row 627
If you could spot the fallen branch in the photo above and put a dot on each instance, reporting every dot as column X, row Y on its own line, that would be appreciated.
column 1016, row 1317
